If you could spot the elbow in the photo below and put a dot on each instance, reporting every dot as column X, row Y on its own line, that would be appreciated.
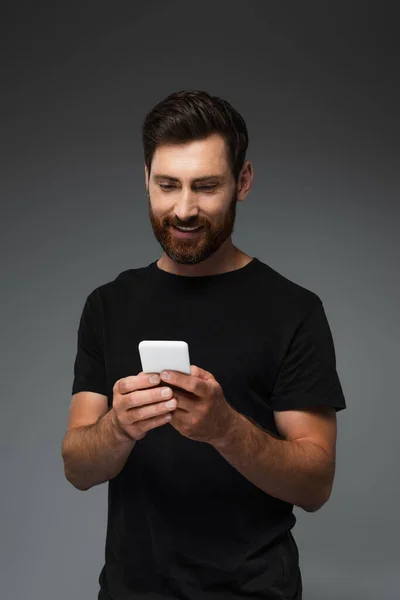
column 74, row 482
column 80, row 488
column 311, row 508
column 321, row 491
column 68, row 474
column 317, row 502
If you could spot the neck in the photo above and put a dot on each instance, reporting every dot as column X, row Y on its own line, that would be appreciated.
column 227, row 258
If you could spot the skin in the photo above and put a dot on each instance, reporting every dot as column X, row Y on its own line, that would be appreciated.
column 298, row 468
column 185, row 202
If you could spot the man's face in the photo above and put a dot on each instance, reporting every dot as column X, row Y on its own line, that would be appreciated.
column 177, row 199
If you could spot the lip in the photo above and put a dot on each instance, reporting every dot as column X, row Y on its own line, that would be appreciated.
column 186, row 234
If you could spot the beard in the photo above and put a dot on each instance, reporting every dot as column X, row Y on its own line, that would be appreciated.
column 192, row 251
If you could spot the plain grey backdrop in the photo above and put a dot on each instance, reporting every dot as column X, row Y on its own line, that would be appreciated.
column 317, row 83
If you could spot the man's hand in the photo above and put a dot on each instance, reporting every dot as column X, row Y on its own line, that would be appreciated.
column 202, row 413
column 139, row 406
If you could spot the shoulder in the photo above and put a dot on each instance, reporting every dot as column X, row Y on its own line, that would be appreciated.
column 110, row 291
column 287, row 297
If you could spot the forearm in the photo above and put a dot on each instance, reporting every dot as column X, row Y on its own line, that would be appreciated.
column 298, row 472
column 96, row 453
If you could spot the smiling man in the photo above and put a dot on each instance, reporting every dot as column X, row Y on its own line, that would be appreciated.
column 203, row 479
column 195, row 236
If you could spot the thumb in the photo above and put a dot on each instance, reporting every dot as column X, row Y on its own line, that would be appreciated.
column 201, row 373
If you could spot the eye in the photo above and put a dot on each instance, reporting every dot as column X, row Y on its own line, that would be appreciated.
column 166, row 187
column 207, row 188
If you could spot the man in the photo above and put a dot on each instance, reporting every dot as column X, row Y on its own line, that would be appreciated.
column 201, row 492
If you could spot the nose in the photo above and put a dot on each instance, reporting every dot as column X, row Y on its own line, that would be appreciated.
column 186, row 208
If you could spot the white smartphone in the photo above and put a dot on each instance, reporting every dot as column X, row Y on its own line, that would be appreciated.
column 160, row 355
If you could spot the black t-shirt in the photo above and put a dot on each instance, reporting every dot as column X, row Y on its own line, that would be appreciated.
column 182, row 522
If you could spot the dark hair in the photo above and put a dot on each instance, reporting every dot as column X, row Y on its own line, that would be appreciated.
column 194, row 115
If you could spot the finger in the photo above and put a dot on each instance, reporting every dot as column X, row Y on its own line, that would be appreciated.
column 145, row 397
column 189, row 383
column 136, row 382
column 185, row 402
column 201, row 373
column 142, row 413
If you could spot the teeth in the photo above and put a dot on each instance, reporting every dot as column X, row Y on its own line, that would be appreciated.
column 187, row 228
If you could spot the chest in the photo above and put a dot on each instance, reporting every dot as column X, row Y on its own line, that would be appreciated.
column 238, row 342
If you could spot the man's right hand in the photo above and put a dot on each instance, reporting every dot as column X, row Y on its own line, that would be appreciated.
column 138, row 406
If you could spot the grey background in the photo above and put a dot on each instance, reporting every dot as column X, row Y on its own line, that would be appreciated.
column 317, row 83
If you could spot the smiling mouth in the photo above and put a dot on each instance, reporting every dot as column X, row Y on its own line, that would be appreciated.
column 187, row 229
column 186, row 234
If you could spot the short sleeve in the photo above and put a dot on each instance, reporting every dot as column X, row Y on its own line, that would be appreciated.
column 89, row 366
column 308, row 377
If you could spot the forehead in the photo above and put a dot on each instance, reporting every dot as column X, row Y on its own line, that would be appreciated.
column 192, row 159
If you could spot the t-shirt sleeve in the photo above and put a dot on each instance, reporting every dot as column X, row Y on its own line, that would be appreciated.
column 89, row 365
column 308, row 377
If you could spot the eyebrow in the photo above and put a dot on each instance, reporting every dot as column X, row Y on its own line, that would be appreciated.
column 160, row 176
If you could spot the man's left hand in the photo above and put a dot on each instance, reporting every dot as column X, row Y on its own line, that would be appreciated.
column 202, row 412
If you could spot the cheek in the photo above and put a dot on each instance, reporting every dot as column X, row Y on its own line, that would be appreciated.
column 161, row 207
column 215, row 206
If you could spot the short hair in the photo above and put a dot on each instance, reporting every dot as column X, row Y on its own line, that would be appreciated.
column 194, row 115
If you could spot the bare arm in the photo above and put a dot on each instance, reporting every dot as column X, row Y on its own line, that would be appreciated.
column 98, row 442
column 95, row 453
column 298, row 469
